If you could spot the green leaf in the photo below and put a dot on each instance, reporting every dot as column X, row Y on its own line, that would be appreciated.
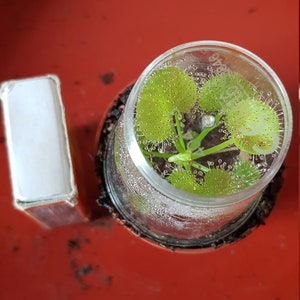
column 254, row 126
column 153, row 119
column 184, row 180
column 183, row 90
column 167, row 90
column 217, row 182
column 220, row 93
column 181, row 157
column 172, row 85
column 244, row 174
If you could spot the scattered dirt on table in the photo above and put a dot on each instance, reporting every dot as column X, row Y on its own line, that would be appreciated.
column 104, row 279
column 15, row 248
column 76, row 82
column 252, row 10
column 86, row 274
column 80, row 273
column 83, row 271
column 73, row 244
column 76, row 242
column 107, row 78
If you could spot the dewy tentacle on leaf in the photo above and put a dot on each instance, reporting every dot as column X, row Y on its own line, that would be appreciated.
column 222, row 92
column 166, row 91
column 254, row 126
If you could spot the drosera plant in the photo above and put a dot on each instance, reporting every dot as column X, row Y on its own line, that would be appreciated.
column 228, row 101
column 214, row 122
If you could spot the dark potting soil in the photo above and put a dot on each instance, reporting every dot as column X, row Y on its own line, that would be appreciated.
column 257, row 218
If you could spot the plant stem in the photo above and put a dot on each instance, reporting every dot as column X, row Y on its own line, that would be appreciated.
column 200, row 167
column 186, row 166
column 179, row 133
column 196, row 142
column 213, row 149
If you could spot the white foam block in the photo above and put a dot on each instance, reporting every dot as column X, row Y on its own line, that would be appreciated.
column 37, row 142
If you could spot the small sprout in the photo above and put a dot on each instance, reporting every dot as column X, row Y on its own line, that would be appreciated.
column 189, row 135
column 254, row 127
column 220, row 93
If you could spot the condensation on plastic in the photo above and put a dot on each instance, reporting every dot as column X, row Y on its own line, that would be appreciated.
column 151, row 204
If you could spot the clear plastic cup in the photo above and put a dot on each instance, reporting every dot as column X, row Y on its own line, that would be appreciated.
column 158, row 210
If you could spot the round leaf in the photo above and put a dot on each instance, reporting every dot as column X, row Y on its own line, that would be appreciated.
column 167, row 90
column 153, row 119
column 184, row 180
column 254, row 126
column 244, row 174
column 220, row 93
column 217, row 182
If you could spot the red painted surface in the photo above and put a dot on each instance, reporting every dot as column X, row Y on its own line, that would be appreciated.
column 82, row 40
